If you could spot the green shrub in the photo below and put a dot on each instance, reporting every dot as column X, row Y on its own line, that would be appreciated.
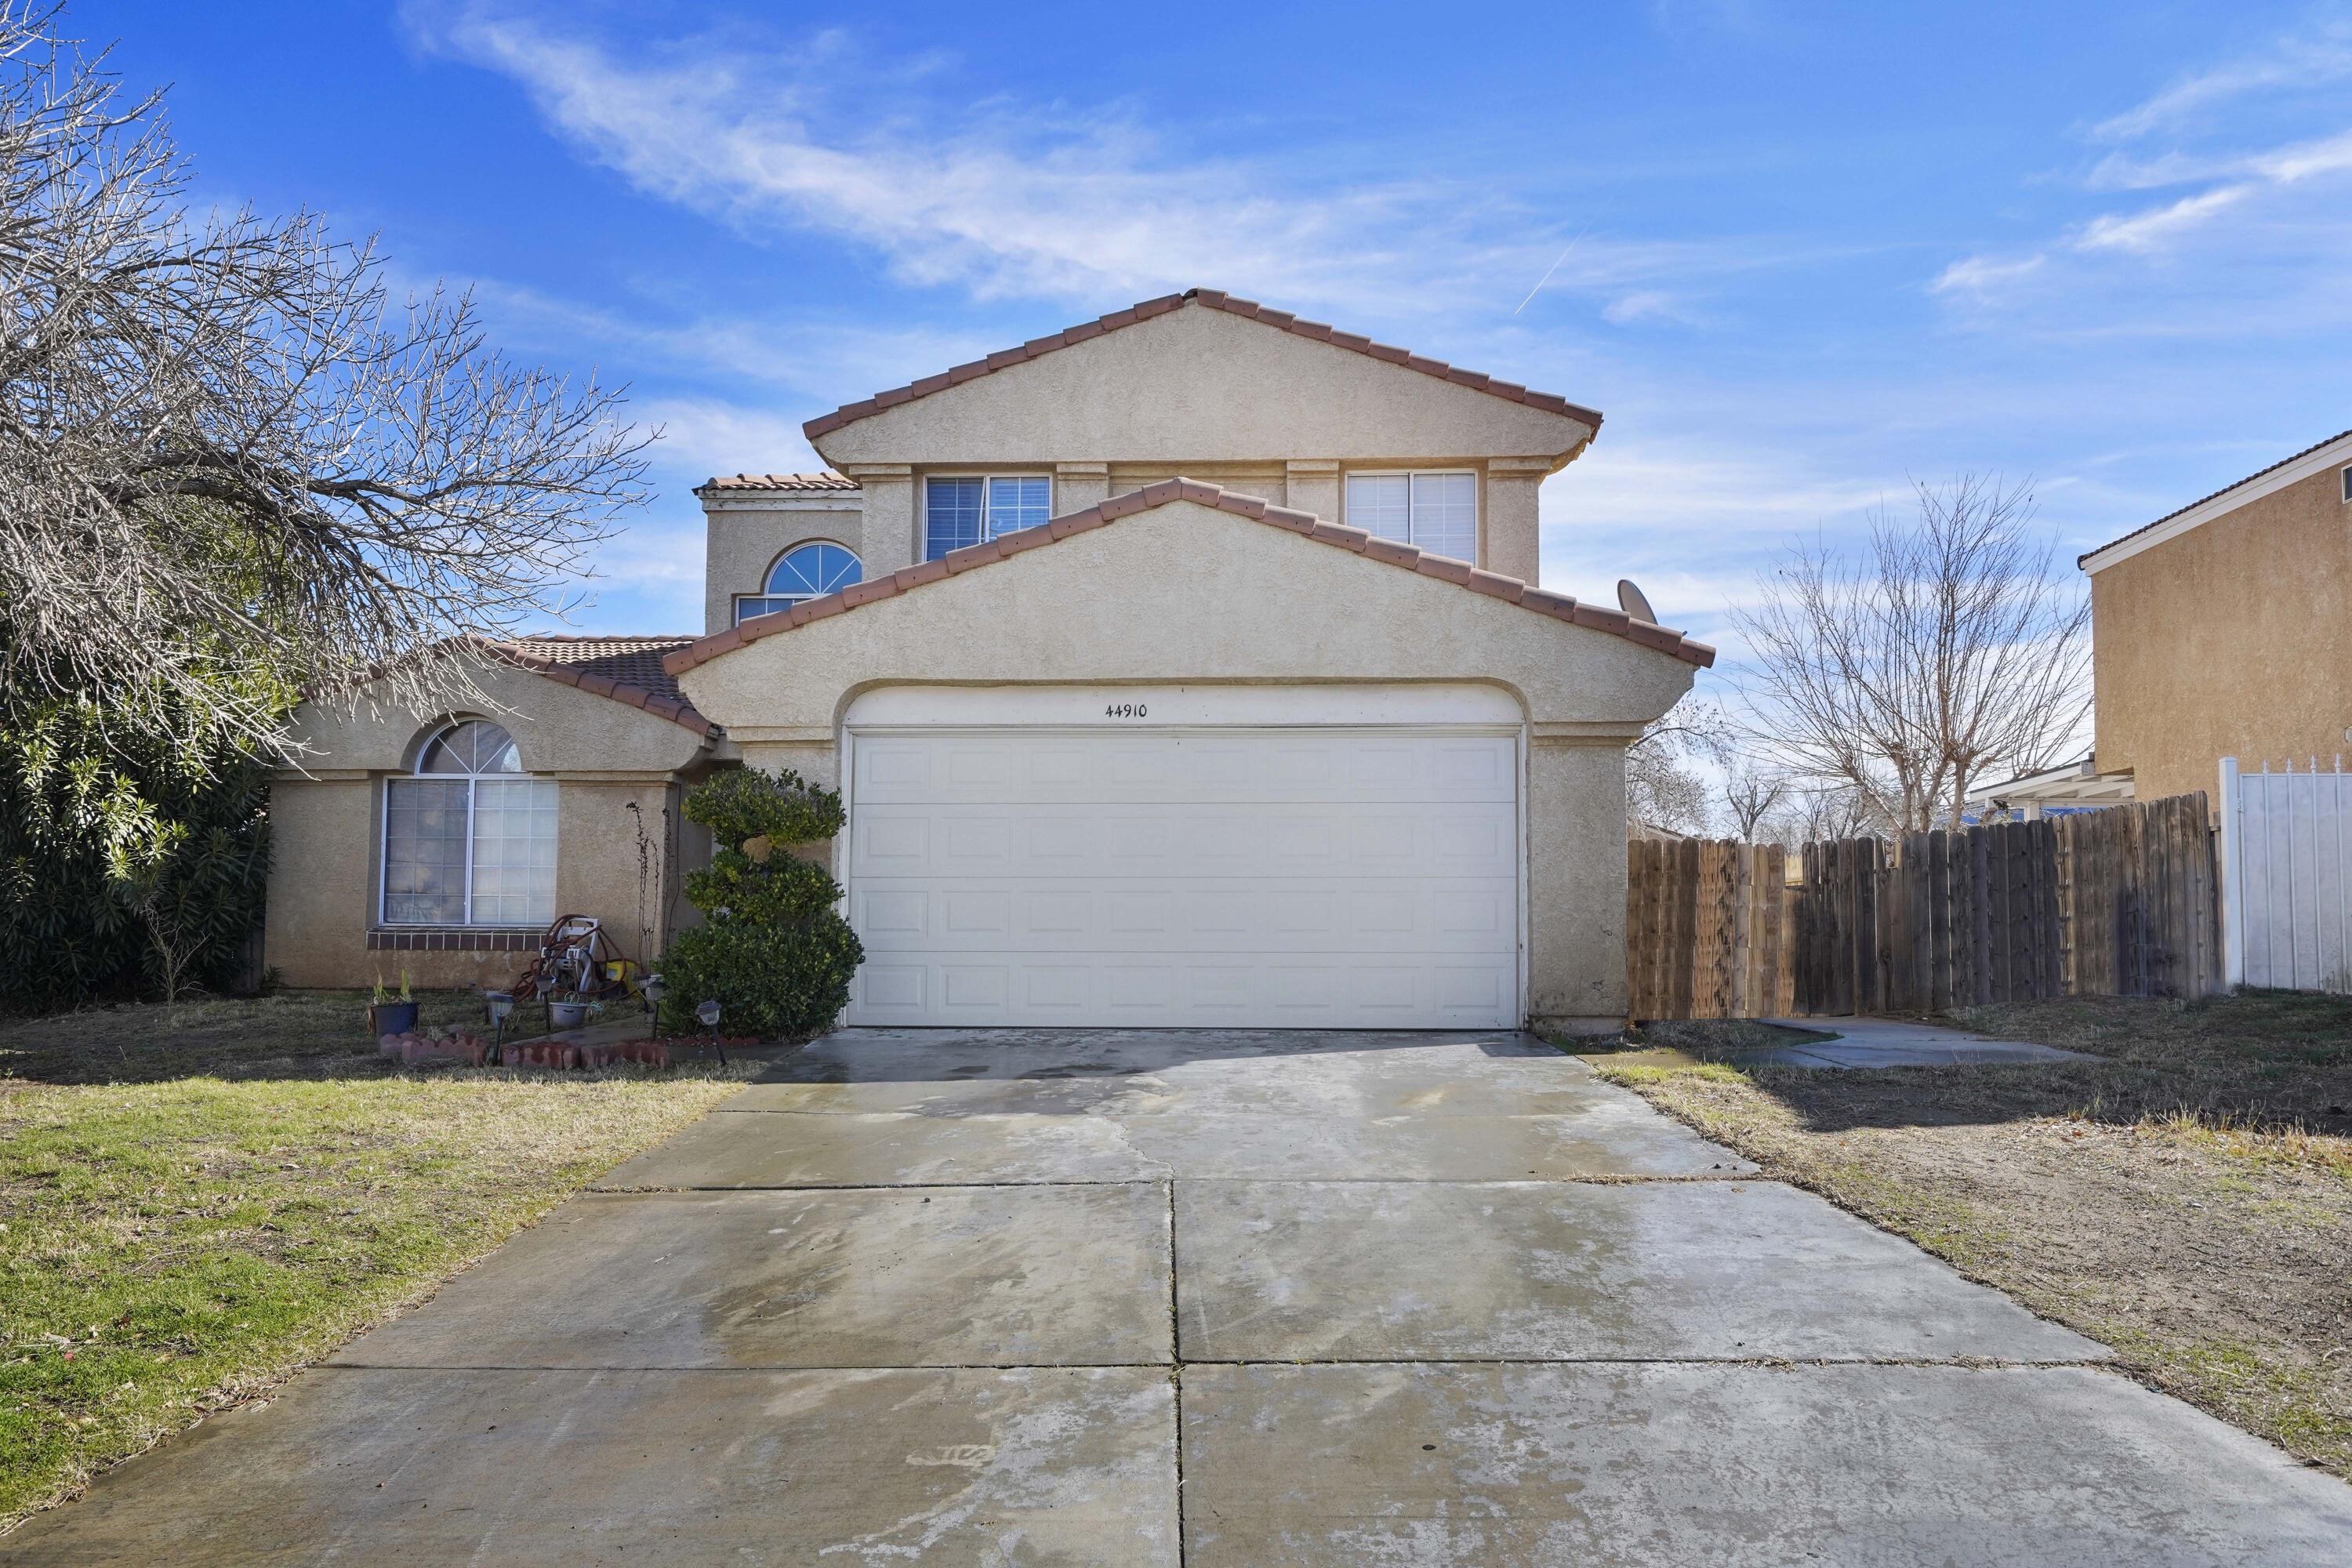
column 772, row 947
column 134, row 861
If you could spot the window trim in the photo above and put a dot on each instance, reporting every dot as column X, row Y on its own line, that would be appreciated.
column 1478, row 500
column 923, row 522
column 384, row 828
column 736, row 602
column 2344, row 483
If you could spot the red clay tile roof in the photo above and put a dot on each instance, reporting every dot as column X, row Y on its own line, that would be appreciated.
column 1560, row 606
column 2217, row 495
column 797, row 483
column 627, row 670
column 1214, row 299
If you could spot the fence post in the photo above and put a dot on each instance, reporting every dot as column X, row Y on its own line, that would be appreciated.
column 2234, row 869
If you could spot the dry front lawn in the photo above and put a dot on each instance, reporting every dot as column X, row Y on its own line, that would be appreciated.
column 2187, row 1199
column 196, row 1201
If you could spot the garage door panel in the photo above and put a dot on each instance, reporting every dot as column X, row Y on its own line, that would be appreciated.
column 1245, row 991
column 1449, row 916
column 1187, row 878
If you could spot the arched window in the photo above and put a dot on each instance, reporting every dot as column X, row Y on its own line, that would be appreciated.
column 470, row 837
column 806, row 571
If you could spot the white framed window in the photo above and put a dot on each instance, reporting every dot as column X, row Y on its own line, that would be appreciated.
column 2344, row 479
column 470, row 837
column 1436, row 510
column 804, row 572
column 971, row 509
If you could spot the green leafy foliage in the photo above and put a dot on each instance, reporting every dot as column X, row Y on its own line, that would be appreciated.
column 773, row 947
column 134, row 852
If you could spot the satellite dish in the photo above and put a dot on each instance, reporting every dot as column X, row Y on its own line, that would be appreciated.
column 1630, row 600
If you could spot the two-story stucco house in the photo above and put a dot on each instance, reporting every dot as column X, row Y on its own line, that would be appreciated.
column 1185, row 668
column 2222, row 629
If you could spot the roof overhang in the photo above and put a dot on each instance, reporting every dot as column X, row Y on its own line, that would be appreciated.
column 2333, row 453
column 2073, row 783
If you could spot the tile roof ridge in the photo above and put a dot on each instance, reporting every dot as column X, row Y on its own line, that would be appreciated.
column 1214, row 299
column 1408, row 557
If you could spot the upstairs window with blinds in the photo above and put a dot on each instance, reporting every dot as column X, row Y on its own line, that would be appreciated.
column 1437, row 511
column 961, row 511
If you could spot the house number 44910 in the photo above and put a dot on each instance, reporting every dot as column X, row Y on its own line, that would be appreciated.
column 1125, row 711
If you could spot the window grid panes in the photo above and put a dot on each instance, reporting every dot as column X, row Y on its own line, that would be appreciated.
column 810, row 572
column 1437, row 511
column 958, row 512
column 472, row 840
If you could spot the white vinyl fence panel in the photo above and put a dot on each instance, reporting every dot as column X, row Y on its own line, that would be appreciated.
column 2286, row 877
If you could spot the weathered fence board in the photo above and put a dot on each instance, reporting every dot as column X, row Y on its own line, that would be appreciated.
column 2123, row 902
column 1705, row 930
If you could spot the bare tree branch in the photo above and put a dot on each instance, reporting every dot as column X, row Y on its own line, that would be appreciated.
column 221, row 440
column 1955, row 644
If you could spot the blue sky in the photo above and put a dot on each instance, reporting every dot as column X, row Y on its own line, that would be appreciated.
column 1810, row 250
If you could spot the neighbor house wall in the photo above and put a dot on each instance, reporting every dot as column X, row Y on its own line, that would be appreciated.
column 2232, row 639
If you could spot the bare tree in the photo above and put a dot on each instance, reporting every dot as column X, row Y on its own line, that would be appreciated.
column 1750, row 794
column 1953, row 646
column 1819, row 816
column 221, row 444
column 1664, row 790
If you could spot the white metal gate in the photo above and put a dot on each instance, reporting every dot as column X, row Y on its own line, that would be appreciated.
column 2286, row 877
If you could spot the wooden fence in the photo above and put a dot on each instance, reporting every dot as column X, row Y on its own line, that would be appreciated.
column 2114, row 902
column 1707, row 929
column 2286, row 863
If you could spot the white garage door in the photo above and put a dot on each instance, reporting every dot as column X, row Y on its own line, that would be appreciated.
column 1181, row 858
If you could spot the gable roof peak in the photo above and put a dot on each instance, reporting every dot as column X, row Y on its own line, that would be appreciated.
column 1209, row 299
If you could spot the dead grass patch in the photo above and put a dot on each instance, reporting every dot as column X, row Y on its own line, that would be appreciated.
column 2186, row 1199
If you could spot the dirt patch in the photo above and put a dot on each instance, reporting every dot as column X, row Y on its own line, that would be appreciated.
column 2186, row 1200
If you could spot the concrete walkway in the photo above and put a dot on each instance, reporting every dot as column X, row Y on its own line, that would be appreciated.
column 1228, row 1299
column 1889, row 1043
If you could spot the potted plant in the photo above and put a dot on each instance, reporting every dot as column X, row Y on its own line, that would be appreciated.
column 388, row 1015
column 570, row 1010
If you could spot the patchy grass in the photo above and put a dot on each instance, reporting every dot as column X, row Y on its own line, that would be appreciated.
column 2187, row 1199
column 253, row 1189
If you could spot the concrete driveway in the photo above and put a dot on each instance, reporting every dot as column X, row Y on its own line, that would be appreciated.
column 1230, row 1299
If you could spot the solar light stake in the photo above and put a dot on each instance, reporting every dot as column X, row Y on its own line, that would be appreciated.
column 708, row 1014
column 655, row 989
column 500, row 1004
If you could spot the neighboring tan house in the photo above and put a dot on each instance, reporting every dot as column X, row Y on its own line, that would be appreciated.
column 1184, row 668
column 2225, row 629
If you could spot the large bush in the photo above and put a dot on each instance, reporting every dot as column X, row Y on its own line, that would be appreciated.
column 134, row 861
column 773, row 947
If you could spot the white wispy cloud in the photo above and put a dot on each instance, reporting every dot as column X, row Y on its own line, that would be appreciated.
column 1037, row 199
column 1984, row 274
column 2305, row 60
column 2286, row 206
column 704, row 436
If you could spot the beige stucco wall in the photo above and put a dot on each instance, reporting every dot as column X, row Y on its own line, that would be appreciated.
column 742, row 541
column 1211, row 396
column 2232, row 639
column 325, row 819
column 1200, row 385
column 1185, row 592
